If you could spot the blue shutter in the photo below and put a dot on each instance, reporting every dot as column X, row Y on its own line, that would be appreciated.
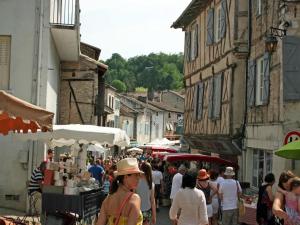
column 291, row 68
column 195, row 101
column 196, row 44
column 200, row 100
column 217, row 96
column 211, row 94
column 223, row 18
column 251, row 83
column 266, row 79
column 210, row 27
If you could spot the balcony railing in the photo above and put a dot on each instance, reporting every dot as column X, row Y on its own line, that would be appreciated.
column 64, row 12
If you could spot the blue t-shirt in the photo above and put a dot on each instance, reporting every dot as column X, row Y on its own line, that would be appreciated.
column 97, row 172
column 106, row 186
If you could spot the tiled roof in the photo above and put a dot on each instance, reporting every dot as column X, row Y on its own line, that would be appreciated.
column 165, row 106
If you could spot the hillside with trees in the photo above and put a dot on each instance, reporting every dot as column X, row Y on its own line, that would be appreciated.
column 154, row 72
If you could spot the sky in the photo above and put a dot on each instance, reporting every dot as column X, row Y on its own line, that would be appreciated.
column 132, row 27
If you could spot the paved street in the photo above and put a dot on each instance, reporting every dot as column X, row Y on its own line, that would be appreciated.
column 163, row 216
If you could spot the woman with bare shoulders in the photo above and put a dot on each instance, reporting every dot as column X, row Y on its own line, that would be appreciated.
column 279, row 200
column 122, row 205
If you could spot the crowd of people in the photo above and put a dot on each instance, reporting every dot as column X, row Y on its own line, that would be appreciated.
column 135, row 187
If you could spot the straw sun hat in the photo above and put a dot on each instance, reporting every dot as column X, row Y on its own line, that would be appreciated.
column 127, row 166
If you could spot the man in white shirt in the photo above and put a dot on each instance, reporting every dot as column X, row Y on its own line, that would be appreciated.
column 157, row 178
column 230, row 190
column 177, row 181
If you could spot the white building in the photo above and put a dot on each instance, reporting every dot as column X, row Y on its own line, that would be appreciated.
column 35, row 37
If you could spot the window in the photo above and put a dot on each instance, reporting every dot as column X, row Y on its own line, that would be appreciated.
column 169, row 115
column 262, row 165
column 258, row 7
column 112, row 102
column 5, row 51
column 109, row 100
column 218, row 22
column 198, row 101
column 215, row 98
column 191, row 43
column 259, row 81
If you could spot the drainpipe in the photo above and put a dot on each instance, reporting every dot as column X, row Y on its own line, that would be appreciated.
column 246, row 86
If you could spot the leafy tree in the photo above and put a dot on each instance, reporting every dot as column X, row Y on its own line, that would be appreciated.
column 119, row 85
column 154, row 71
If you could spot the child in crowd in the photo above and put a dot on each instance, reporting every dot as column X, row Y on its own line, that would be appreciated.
column 292, row 200
column 106, row 184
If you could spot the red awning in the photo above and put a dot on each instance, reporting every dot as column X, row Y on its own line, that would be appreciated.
column 19, row 115
column 198, row 157
column 163, row 149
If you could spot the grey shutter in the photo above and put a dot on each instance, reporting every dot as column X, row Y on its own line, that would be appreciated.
column 210, row 27
column 5, row 51
column 196, row 44
column 223, row 18
column 217, row 96
column 251, row 83
column 291, row 68
column 254, row 7
column 211, row 95
column 200, row 100
column 188, row 46
column 266, row 79
column 195, row 102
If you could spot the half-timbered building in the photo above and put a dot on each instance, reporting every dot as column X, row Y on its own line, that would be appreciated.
column 214, row 74
column 273, row 92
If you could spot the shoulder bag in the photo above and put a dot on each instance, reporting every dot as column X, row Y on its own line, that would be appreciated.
column 126, row 199
column 240, row 202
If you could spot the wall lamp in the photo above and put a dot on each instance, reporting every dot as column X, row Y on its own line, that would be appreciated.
column 271, row 39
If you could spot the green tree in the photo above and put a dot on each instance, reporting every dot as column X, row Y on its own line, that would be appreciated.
column 119, row 85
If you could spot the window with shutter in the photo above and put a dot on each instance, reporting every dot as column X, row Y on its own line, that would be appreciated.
column 5, row 48
column 291, row 68
column 223, row 18
column 218, row 23
column 196, row 41
column 210, row 103
column 210, row 27
column 195, row 101
column 200, row 101
column 192, row 50
column 266, row 79
column 251, row 83
column 217, row 96
column 259, row 81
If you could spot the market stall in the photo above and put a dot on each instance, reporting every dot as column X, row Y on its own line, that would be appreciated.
column 67, row 180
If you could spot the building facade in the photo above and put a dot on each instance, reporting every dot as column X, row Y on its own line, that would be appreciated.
column 215, row 75
column 272, row 89
column 33, row 45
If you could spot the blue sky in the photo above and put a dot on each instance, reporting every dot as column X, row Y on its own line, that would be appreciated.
column 132, row 27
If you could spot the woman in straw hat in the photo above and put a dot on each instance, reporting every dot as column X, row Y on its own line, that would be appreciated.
column 122, row 206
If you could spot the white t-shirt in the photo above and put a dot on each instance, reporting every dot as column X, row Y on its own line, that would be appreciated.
column 157, row 176
column 228, row 189
column 220, row 180
column 193, row 207
column 176, row 184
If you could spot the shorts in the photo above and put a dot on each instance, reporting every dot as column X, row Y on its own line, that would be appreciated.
column 215, row 205
column 147, row 215
column 209, row 210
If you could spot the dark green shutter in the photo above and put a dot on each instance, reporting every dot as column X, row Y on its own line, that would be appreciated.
column 223, row 18
column 200, row 100
column 266, row 79
column 217, row 96
column 291, row 68
column 251, row 83
column 210, row 27
column 196, row 44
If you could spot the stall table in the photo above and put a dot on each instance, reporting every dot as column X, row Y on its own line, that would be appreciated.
column 250, row 215
column 85, row 205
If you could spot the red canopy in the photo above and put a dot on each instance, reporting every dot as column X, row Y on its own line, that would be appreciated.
column 163, row 149
column 198, row 157
column 17, row 115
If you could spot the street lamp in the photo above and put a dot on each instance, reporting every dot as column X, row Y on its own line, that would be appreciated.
column 271, row 43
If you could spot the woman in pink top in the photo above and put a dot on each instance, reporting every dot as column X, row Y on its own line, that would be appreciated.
column 292, row 200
